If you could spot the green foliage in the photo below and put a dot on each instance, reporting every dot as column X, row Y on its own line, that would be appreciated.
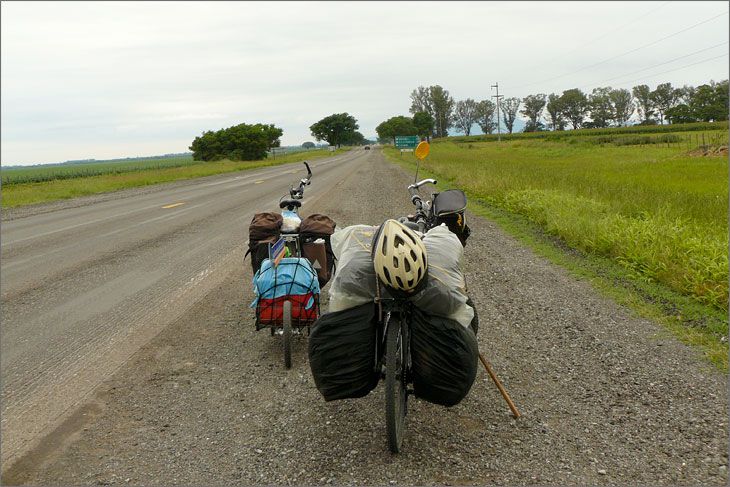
column 424, row 124
column 644, row 102
column 575, row 106
column 438, row 103
column 465, row 115
column 710, row 102
column 533, row 107
column 680, row 114
column 353, row 138
column 663, row 98
column 509, row 108
column 601, row 107
column 399, row 125
column 623, row 106
column 555, row 110
column 485, row 116
column 336, row 129
column 308, row 145
column 241, row 142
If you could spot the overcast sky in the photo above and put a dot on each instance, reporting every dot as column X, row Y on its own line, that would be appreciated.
column 116, row 79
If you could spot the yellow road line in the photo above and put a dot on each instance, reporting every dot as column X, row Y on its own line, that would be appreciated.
column 259, row 181
column 173, row 205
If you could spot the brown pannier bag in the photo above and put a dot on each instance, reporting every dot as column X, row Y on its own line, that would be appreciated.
column 264, row 226
column 313, row 228
column 317, row 224
column 264, row 229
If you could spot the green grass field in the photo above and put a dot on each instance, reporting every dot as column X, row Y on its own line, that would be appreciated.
column 38, row 174
column 74, row 182
column 654, row 210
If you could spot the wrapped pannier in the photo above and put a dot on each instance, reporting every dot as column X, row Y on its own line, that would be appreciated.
column 449, row 207
column 445, row 292
column 342, row 353
column 265, row 229
column 314, row 234
column 294, row 280
column 355, row 281
column 444, row 357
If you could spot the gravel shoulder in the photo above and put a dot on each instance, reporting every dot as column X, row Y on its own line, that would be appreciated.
column 607, row 398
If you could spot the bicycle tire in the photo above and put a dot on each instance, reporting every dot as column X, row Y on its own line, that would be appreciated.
column 286, row 335
column 396, row 395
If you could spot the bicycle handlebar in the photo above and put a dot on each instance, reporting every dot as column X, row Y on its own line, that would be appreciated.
column 298, row 193
column 418, row 202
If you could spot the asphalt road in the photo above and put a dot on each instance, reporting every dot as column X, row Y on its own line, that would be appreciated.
column 85, row 287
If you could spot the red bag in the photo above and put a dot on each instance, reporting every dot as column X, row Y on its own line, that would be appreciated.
column 272, row 310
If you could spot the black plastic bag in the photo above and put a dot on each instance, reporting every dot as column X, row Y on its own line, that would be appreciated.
column 342, row 353
column 445, row 357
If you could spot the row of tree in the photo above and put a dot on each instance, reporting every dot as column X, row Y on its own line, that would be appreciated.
column 246, row 142
column 603, row 107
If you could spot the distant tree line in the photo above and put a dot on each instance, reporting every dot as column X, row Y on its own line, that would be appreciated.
column 603, row 107
column 241, row 142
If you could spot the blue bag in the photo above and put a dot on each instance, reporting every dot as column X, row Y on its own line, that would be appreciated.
column 294, row 276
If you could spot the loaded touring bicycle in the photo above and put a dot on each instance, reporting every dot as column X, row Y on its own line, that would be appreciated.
column 291, row 260
column 419, row 342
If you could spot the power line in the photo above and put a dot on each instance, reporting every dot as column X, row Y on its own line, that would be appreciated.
column 675, row 69
column 603, row 36
column 660, row 64
column 624, row 53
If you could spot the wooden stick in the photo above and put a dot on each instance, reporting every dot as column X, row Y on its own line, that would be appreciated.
column 506, row 397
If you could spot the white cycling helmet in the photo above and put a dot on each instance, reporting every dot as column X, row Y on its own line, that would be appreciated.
column 399, row 257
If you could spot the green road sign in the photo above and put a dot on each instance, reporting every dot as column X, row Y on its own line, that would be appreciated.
column 406, row 141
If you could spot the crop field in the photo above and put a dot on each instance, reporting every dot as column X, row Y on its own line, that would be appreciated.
column 37, row 174
column 659, row 210
column 688, row 133
column 38, row 184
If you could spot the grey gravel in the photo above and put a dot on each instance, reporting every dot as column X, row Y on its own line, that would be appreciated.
column 607, row 398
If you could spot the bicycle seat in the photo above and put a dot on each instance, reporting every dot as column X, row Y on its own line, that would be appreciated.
column 287, row 203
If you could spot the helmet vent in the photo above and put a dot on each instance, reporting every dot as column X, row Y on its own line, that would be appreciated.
column 407, row 265
column 395, row 262
column 399, row 281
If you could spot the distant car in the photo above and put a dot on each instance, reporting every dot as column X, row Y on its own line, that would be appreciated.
column 367, row 147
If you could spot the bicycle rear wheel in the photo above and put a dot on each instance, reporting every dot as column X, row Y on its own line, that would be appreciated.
column 396, row 395
column 286, row 335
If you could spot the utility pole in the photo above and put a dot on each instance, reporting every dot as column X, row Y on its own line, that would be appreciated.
column 498, row 96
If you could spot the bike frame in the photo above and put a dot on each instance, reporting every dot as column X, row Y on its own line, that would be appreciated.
column 296, row 194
